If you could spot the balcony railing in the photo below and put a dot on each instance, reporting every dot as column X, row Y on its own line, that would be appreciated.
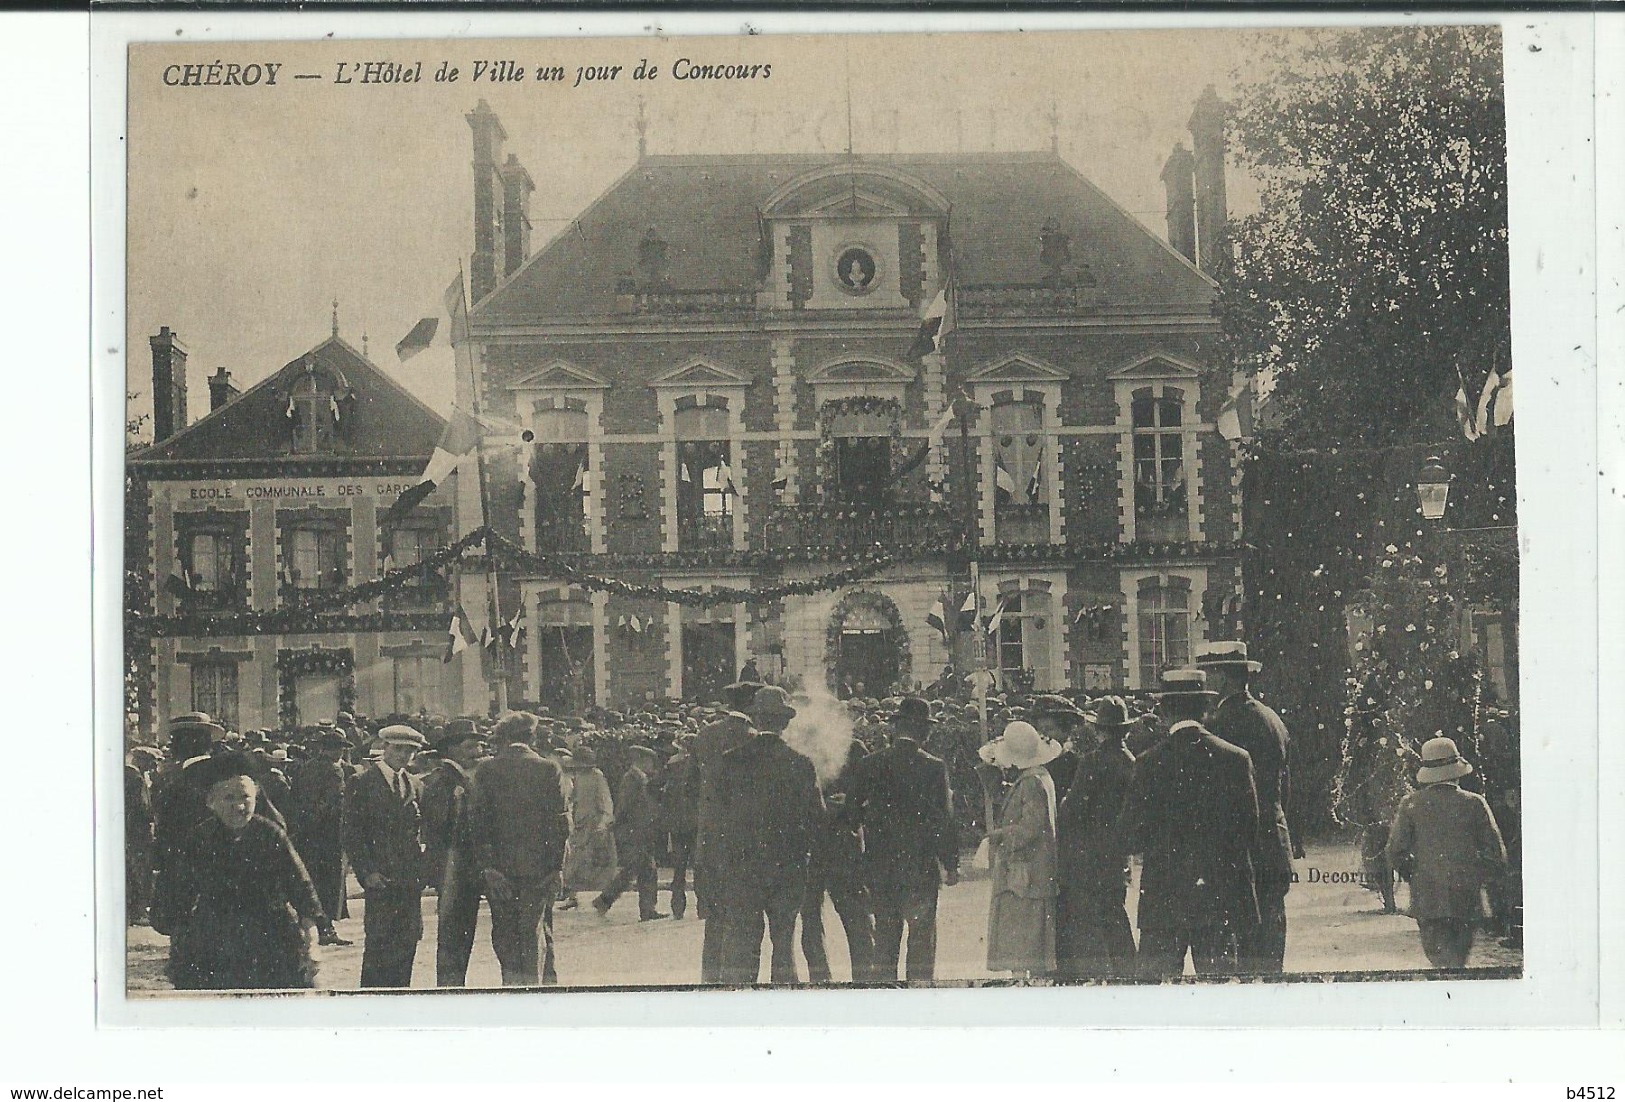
column 705, row 532
column 716, row 301
column 1025, row 299
column 917, row 527
column 1022, row 523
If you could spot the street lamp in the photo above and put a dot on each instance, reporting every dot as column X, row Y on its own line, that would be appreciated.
column 1433, row 487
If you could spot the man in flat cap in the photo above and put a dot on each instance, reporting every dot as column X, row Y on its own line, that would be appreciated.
column 383, row 826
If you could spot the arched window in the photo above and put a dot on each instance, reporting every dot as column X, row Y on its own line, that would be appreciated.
column 1161, row 501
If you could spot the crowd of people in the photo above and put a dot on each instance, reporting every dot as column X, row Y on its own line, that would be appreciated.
column 240, row 845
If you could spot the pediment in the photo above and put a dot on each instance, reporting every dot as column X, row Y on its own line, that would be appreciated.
column 857, row 204
column 854, row 369
column 834, row 189
column 1157, row 365
column 559, row 375
column 1018, row 367
column 701, row 372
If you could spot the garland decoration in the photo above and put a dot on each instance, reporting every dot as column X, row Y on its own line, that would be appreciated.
column 896, row 635
column 862, row 404
column 293, row 664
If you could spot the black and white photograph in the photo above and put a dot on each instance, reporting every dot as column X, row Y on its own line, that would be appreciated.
column 951, row 510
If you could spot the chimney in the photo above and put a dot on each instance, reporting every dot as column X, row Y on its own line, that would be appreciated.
column 1176, row 179
column 168, row 385
column 1212, row 207
column 221, row 389
column 488, row 198
column 516, row 189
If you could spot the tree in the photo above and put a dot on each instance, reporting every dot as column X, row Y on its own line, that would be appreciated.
column 1374, row 275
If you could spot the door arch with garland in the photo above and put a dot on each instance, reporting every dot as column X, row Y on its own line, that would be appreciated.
column 866, row 645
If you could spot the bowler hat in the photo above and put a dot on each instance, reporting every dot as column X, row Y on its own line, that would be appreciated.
column 771, row 704
column 739, row 695
column 1226, row 653
column 328, row 738
column 222, row 767
column 1441, row 761
column 1111, row 712
column 457, row 731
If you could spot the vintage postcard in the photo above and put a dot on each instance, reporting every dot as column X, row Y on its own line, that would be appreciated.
column 875, row 510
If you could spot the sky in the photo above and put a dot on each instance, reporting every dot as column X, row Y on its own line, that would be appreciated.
column 252, row 209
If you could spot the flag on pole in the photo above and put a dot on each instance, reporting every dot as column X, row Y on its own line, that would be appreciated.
column 781, row 484
column 420, row 338
column 1002, row 476
column 1036, row 479
column 512, row 630
column 937, row 617
column 1503, row 401
column 939, row 427
column 997, row 618
column 459, row 634
column 935, row 325
column 458, row 441
column 1484, row 420
column 725, row 478
column 967, row 613
column 1464, row 413
column 684, row 475
column 1236, row 415
column 580, row 479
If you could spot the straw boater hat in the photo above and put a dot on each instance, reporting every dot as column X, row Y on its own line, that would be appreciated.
column 1441, row 761
column 1020, row 747
column 1230, row 653
column 1184, row 684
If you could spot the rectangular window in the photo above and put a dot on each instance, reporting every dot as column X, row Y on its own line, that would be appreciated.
column 1161, row 509
column 214, row 690
column 863, row 469
column 558, row 476
column 706, row 493
column 417, row 684
column 314, row 558
column 1164, row 628
column 1024, row 641
column 211, row 561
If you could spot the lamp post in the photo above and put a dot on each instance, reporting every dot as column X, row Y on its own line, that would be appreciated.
column 1433, row 488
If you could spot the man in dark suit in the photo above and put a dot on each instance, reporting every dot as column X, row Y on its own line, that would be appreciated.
column 1093, row 937
column 1058, row 718
column 715, row 739
column 770, row 810
column 637, row 825
column 901, row 798
column 316, row 817
column 520, row 824
column 383, row 824
column 1192, row 811
column 1241, row 719
column 447, row 849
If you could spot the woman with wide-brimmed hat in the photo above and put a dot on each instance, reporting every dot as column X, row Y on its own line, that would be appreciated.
column 590, row 856
column 1445, row 839
column 1021, row 843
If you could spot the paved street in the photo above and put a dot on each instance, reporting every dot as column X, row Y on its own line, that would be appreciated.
column 1332, row 926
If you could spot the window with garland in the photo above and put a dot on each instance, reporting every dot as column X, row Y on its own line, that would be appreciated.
column 214, row 691
column 1161, row 504
column 406, row 545
column 706, row 486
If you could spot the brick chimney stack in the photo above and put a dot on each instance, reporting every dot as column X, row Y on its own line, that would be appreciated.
column 1212, row 205
column 1177, row 181
column 168, row 385
column 221, row 389
column 488, row 197
column 516, row 189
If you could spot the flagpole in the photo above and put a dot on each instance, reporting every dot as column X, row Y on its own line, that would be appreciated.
column 492, row 591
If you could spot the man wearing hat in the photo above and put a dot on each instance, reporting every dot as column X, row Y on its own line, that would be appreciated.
column 383, row 826
column 1241, row 719
column 728, row 732
column 1093, row 938
column 1446, row 839
column 1058, row 718
column 770, row 809
column 637, row 826
column 900, row 797
column 447, row 849
column 316, row 816
column 1192, row 811
column 520, row 825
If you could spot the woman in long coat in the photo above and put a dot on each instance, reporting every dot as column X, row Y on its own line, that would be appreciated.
column 590, row 856
column 1021, row 843
column 236, row 901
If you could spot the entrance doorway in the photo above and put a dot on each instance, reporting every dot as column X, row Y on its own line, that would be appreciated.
column 565, row 659
column 866, row 665
column 708, row 659
column 316, row 697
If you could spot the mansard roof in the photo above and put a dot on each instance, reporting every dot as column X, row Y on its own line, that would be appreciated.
column 711, row 212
